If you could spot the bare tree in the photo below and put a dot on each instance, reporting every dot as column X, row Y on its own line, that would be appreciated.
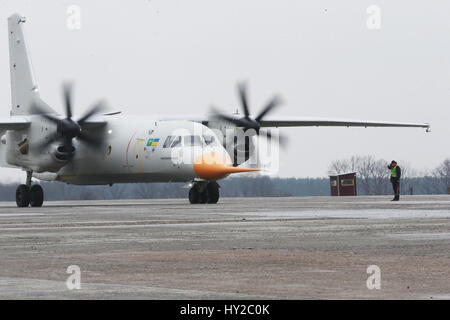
column 442, row 172
column 344, row 165
column 117, row 191
column 372, row 173
column 144, row 190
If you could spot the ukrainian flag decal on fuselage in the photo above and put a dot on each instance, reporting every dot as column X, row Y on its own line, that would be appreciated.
column 152, row 142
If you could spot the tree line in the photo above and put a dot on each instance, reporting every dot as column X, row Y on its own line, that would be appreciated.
column 261, row 186
column 372, row 179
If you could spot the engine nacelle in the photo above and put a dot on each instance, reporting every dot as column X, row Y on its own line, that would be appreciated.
column 52, row 160
column 64, row 153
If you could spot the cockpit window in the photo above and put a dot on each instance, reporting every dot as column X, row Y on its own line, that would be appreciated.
column 176, row 142
column 168, row 141
column 208, row 139
column 192, row 141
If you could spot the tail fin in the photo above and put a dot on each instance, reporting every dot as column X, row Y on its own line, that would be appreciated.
column 24, row 89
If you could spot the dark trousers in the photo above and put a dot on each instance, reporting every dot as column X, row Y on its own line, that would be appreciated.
column 396, row 187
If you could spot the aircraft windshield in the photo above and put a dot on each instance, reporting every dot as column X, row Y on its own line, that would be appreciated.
column 176, row 142
column 192, row 141
column 168, row 141
column 209, row 140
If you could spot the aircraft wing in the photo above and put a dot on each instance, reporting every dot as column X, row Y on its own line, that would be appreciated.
column 19, row 123
column 323, row 122
column 194, row 118
column 13, row 123
column 95, row 122
column 309, row 122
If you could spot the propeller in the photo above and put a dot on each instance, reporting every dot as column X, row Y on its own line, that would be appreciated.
column 247, row 122
column 68, row 129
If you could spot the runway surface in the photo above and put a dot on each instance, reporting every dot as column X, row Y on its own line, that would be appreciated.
column 247, row 248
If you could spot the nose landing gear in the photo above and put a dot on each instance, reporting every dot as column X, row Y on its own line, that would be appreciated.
column 29, row 195
column 207, row 192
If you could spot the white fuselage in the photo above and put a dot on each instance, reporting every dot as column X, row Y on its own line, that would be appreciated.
column 128, row 155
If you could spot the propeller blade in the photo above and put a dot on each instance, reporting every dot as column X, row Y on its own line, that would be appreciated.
column 67, row 92
column 225, row 118
column 68, row 142
column 243, row 96
column 69, row 129
column 282, row 140
column 220, row 116
column 276, row 101
column 91, row 141
column 36, row 107
column 97, row 108
column 50, row 118
column 46, row 142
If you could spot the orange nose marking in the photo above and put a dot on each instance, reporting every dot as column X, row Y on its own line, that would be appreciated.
column 215, row 166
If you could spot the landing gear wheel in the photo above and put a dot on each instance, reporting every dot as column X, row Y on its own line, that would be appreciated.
column 194, row 195
column 212, row 190
column 37, row 196
column 23, row 196
column 203, row 196
column 209, row 193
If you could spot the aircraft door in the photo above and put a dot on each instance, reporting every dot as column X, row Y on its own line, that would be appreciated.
column 137, row 155
column 172, row 151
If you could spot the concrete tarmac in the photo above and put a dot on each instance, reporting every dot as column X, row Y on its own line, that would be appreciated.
column 246, row 248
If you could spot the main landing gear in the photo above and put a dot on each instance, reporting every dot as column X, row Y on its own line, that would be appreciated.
column 206, row 192
column 29, row 195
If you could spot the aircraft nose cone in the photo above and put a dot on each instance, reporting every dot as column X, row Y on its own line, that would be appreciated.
column 215, row 166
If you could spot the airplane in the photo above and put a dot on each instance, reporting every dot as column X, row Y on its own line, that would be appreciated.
column 101, row 148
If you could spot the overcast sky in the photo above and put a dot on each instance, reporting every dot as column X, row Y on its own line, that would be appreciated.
column 176, row 57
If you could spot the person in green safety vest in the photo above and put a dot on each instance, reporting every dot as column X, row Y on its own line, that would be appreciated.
column 396, row 174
